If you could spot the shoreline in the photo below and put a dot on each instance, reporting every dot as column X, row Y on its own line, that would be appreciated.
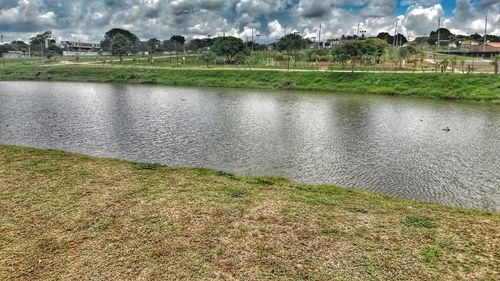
column 235, row 176
column 474, row 87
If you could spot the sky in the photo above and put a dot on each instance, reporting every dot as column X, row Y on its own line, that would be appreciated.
column 88, row 20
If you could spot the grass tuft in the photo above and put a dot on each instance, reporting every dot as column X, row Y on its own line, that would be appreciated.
column 148, row 166
column 423, row 222
column 227, row 175
column 357, row 210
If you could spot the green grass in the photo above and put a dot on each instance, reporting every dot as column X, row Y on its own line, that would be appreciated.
column 67, row 216
column 477, row 87
column 418, row 222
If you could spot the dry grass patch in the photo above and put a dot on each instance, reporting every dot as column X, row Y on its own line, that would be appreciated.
column 73, row 217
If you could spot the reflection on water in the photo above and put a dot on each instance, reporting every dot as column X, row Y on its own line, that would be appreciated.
column 392, row 145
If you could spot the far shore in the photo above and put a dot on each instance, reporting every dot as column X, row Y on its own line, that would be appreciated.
column 452, row 86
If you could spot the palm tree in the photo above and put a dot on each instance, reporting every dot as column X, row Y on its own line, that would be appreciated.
column 444, row 65
column 495, row 63
column 422, row 59
column 453, row 61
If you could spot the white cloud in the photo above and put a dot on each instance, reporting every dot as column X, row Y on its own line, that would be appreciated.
column 90, row 19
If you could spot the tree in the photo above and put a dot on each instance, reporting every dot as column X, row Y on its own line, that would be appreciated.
column 342, row 58
column 291, row 43
column 229, row 47
column 386, row 37
column 38, row 42
column 142, row 47
column 6, row 48
column 175, row 43
column 179, row 39
column 373, row 47
column 240, row 58
column 111, row 34
column 404, row 53
column 208, row 56
column 200, row 44
column 444, row 35
column 401, row 39
column 153, row 44
column 19, row 46
column 367, row 49
column 40, row 38
column 476, row 37
column 120, row 45
column 453, row 63
column 422, row 39
column 495, row 63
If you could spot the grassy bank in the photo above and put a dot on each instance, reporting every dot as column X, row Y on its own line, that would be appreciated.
column 67, row 216
column 478, row 87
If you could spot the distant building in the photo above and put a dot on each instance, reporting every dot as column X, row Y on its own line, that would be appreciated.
column 15, row 55
column 487, row 47
column 345, row 41
column 331, row 43
column 467, row 44
column 80, row 46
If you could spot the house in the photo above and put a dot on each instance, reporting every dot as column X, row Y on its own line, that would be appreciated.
column 493, row 47
column 467, row 44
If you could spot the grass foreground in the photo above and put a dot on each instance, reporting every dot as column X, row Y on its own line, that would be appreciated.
column 67, row 216
column 476, row 87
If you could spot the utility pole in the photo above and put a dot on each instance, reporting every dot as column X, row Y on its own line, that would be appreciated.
column 252, row 39
column 357, row 32
column 176, row 54
column 439, row 32
column 285, row 31
column 485, row 32
column 395, row 35
column 41, row 48
column 3, row 56
column 319, row 37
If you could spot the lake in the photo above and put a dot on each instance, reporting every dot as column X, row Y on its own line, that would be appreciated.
column 429, row 150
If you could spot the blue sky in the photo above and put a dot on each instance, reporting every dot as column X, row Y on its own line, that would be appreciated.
column 448, row 6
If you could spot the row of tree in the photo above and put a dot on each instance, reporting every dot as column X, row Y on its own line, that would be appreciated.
column 122, row 42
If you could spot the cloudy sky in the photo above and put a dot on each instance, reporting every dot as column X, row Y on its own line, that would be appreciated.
column 90, row 19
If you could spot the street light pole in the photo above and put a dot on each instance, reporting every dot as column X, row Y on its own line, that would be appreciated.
column 75, row 50
column 485, row 32
column 41, row 48
column 3, row 57
column 256, row 56
column 176, row 54
column 439, row 32
column 252, row 39
column 395, row 34
column 319, row 36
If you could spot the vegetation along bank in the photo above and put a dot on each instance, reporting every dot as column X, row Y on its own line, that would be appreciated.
column 477, row 87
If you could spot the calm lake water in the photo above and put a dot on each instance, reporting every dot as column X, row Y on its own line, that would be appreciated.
column 393, row 145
